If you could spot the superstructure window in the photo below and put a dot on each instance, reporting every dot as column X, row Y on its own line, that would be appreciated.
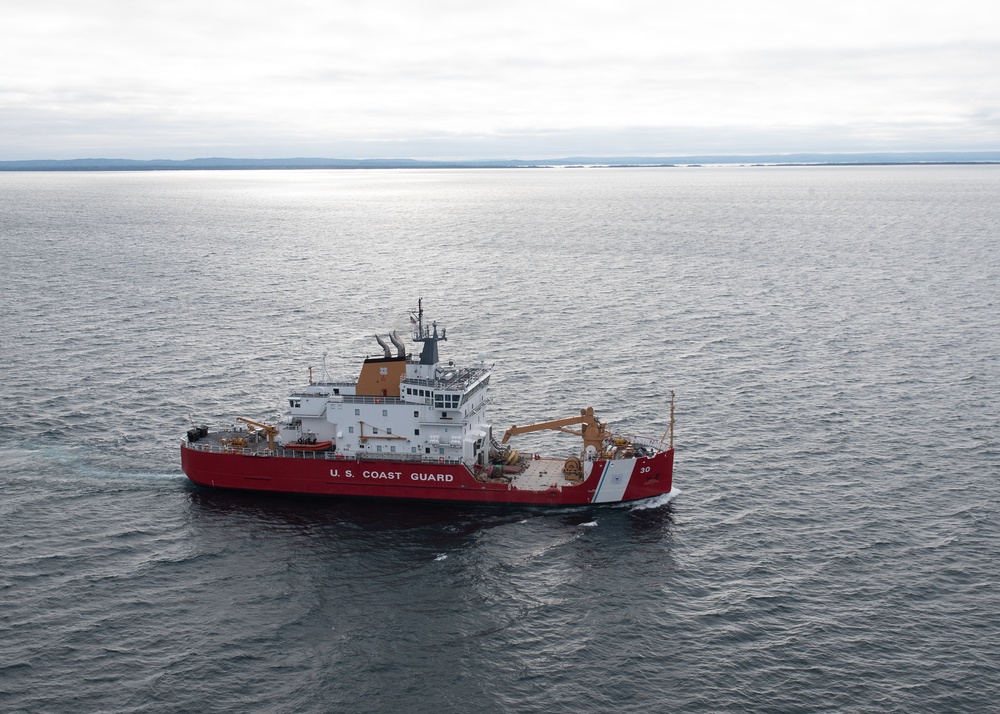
column 447, row 401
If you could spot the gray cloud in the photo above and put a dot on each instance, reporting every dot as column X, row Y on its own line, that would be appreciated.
column 450, row 79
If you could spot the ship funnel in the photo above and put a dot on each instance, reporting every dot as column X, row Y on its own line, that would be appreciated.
column 384, row 346
column 399, row 344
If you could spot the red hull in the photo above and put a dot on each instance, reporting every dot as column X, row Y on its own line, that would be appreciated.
column 609, row 481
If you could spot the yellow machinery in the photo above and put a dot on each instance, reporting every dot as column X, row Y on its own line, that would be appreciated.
column 592, row 430
column 271, row 431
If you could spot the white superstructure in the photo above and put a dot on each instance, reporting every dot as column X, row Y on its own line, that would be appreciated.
column 402, row 407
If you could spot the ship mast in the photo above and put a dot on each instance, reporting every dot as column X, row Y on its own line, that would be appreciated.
column 430, row 337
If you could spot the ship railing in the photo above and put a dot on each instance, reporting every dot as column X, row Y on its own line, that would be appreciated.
column 333, row 389
column 219, row 449
column 394, row 456
column 646, row 441
column 251, row 451
column 479, row 407
column 325, row 455
column 349, row 399
column 353, row 399
column 460, row 377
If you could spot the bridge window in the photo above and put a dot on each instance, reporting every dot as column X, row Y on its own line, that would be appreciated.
column 447, row 401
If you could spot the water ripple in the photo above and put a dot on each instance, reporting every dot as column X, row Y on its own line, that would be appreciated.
column 831, row 335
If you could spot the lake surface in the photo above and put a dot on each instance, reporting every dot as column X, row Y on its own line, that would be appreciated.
column 832, row 335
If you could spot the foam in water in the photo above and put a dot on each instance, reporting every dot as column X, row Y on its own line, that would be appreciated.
column 654, row 502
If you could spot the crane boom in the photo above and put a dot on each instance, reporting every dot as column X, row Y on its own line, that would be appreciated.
column 592, row 431
column 271, row 431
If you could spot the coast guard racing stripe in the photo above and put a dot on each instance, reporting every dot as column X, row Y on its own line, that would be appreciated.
column 614, row 481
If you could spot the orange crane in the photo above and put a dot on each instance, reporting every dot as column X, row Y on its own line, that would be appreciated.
column 593, row 431
column 271, row 431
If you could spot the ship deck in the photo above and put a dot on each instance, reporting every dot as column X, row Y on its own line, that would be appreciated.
column 541, row 474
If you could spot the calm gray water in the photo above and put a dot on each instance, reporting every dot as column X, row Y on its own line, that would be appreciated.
column 832, row 335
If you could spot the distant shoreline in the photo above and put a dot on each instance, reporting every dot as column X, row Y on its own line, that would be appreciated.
column 767, row 160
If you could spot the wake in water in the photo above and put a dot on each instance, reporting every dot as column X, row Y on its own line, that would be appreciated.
column 654, row 502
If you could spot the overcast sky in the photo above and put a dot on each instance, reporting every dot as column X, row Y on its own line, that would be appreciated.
column 505, row 79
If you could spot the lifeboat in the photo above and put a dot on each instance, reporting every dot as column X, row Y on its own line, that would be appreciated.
column 315, row 446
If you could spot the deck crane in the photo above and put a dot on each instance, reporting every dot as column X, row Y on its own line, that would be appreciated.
column 593, row 431
column 271, row 431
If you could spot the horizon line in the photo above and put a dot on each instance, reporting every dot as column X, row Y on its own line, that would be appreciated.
column 771, row 159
